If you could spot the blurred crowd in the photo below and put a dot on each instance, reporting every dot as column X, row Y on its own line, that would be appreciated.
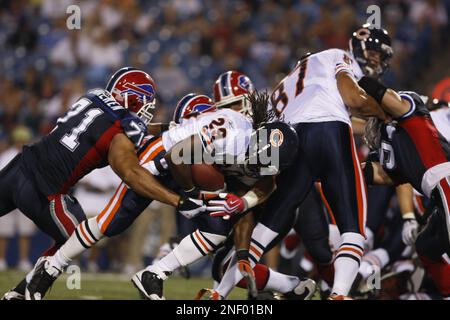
column 185, row 45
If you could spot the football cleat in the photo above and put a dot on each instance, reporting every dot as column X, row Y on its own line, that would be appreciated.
column 303, row 291
column 211, row 294
column 13, row 295
column 17, row 293
column 149, row 285
column 335, row 296
column 44, row 276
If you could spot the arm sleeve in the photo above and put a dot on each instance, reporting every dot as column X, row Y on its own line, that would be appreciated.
column 342, row 62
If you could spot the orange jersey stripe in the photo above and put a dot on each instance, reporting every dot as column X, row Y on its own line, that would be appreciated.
column 148, row 148
column 153, row 154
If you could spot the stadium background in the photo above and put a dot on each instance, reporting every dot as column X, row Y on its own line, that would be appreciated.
column 185, row 45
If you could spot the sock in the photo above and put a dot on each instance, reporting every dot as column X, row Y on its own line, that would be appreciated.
column 189, row 250
column 86, row 235
column 346, row 263
column 282, row 283
column 261, row 237
column 269, row 279
column 439, row 272
column 231, row 278
column 334, row 237
column 59, row 260
column 376, row 259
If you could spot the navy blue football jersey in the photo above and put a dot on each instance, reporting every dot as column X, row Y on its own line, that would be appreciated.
column 80, row 142
column 412, row 145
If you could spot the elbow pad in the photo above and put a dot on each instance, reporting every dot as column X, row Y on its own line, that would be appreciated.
column 373, row 88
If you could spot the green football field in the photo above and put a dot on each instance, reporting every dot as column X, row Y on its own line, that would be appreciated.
column 114, row 286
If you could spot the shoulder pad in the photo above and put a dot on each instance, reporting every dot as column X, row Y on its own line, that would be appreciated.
column 418, row 106
column 134, row 128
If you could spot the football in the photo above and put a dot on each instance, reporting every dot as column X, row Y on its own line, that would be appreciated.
column 207, row 177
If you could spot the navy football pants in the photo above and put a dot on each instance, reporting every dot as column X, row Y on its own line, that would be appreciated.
column 327, row 153
column 56, row 215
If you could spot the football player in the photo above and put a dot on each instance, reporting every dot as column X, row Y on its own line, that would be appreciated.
column 413, row 151
column 222, row 133
column 212, row 230
column 317, row 98
column 103, row 127
column 231, row 90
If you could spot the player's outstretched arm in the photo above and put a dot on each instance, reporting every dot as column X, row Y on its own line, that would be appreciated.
column 356, row 99
column 156, row 129
column 123, row 160
column 389, row 100
column 180, row 158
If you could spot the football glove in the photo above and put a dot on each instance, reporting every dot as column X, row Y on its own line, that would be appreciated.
column 226, row 205
column 190, row 207
column 409, row 231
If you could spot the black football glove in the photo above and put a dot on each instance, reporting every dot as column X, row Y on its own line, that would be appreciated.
column 190, row 207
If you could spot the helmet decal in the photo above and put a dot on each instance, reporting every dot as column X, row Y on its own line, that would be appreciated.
column 245, row 83
column 191, row 105
column 140, row 90
column 362, row 34
column 276, row 138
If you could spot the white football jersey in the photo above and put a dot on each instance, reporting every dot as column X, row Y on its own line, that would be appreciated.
column 441, row 119
column 310, row 93
column 222, row 132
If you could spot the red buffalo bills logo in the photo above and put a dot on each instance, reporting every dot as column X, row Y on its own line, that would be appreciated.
column 244, row 83
column 140, row 90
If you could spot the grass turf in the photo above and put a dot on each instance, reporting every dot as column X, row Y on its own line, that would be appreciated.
column 114, row 286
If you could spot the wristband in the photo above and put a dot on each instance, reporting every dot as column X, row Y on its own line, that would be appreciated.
column 409, row 216
column 193, row 192
column 242, row 254
column 373, row 88
column 251, row 199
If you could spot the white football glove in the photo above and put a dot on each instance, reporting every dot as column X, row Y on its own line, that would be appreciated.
column 410, row 230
